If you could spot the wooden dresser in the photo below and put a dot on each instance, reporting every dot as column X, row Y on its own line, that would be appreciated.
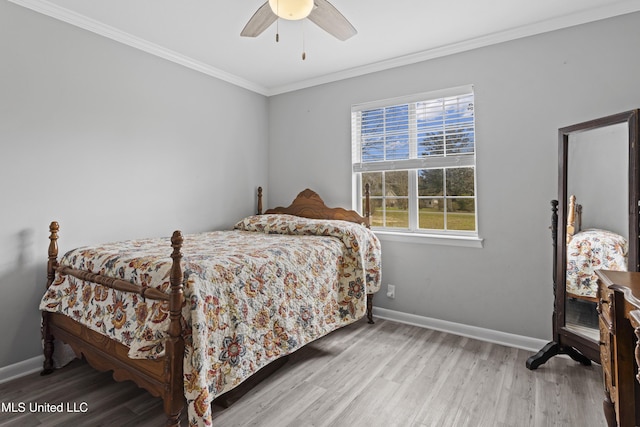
column 619, row 314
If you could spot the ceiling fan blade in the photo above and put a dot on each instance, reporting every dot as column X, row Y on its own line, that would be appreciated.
column 260, row 21
column 327, row 17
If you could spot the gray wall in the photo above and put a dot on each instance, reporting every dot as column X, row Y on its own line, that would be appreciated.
column 114, row 144
column 525, row 90
column 598, row 161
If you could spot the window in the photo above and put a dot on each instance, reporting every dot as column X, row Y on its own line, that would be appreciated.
column 417, row 154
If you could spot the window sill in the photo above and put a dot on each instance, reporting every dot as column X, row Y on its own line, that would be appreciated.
column 430, row 239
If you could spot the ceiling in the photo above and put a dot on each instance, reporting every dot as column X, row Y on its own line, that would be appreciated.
column 205, row 34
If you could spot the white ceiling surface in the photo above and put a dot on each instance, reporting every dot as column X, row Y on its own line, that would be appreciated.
column 205, row 34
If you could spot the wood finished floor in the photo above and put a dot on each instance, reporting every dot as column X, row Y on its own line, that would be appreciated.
column 387, row 374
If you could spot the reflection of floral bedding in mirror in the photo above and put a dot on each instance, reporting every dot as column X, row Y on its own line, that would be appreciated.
column 591, row 250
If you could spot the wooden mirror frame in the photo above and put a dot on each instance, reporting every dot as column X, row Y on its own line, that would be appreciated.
column 566, row 341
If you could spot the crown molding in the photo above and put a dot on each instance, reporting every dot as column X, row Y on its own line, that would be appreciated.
column 73, row 18
column 60, row 13
column 566, row 21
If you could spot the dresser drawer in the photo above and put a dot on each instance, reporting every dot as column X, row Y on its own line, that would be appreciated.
column 605, row 305
column 606, row 359
column 618, row 302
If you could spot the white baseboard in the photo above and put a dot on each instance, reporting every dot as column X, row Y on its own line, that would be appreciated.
column 29, row 366
column 489, row 335
column 20, row 369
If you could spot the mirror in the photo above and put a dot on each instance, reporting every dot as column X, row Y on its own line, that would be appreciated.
column 594, row 226
column 597, row 229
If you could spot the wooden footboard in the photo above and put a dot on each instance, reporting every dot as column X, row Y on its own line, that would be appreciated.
column 105, row 354
column 161, row 377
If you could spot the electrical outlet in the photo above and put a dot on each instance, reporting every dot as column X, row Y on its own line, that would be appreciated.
column 391, row 291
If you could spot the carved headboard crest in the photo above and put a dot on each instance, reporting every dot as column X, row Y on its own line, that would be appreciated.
column 308, row 204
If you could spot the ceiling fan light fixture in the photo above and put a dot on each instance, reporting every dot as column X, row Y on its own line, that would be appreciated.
column 291, row 10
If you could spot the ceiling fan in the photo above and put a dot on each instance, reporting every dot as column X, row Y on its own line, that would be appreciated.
column 320, row 12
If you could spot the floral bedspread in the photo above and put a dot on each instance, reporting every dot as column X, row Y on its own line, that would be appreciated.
column 592, row 250
column 253, row 294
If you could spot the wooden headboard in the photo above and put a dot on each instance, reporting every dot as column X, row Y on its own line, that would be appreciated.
column 309, row 205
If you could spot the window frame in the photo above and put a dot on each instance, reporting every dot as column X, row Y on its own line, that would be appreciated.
column 412, row 165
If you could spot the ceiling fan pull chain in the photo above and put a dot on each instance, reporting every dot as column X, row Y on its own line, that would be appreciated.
column 278, row 22
column 304, row 54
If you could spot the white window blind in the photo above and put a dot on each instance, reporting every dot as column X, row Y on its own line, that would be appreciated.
column 414, row 132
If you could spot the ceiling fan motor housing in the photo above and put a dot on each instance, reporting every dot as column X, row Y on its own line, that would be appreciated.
column 292, row 10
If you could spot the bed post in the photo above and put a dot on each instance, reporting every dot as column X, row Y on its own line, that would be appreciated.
column 367, row 206
column 571, row 218
column 259, row 200
column 174, row 352
column 370, row 309
column 52, row 264
column 367, row 216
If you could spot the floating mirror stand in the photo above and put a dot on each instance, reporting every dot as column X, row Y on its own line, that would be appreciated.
column 596, row 156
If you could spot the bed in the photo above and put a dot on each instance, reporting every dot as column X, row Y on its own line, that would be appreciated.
column 590, row 250
column 190, row 328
